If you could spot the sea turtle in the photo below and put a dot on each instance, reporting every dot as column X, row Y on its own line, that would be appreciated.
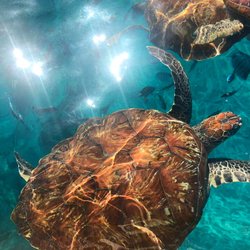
column 135, row 179
column 195, row 29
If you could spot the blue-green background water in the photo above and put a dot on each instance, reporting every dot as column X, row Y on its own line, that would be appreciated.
column 59, row 35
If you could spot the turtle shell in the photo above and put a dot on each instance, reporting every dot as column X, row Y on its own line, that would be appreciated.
column 174, row 24
column 136, row 179
column 241, row 7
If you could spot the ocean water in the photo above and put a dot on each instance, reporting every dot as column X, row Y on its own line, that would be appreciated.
column 54, row 54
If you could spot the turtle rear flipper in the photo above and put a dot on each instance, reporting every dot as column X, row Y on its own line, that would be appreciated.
column 182, row 106
column 224, row 28
column 226, row 171
column 24, row 167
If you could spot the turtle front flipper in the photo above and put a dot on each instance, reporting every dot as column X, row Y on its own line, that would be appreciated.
column 24, row 167
column 182, row 106
column 226, row 171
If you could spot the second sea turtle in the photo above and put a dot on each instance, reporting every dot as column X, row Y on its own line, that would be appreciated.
column 195, row 29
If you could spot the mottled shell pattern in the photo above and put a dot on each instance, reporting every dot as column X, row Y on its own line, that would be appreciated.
column 176, row 25
column 136, row 179
column 241, row 7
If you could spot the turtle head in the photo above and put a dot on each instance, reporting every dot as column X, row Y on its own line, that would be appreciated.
column 216, row 129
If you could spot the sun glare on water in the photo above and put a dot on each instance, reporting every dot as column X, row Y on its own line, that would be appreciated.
column 117, row 64
column 23, row 63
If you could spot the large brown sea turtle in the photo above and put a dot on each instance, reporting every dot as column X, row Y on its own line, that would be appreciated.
column 195, row 29
column 136, row 179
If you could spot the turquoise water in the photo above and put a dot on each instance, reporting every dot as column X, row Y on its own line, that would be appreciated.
column 65, row 67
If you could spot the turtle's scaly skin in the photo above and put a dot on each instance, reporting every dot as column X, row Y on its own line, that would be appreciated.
column 173, row 25
column 136, row 179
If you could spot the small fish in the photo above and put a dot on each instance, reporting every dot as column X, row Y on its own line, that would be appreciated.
column 95, row 1
column 163, row 76
column 167, row 87
column 162, row 102
column 6, row 235
column 231, row 77
column 230, row 93
column 146, row 91
column 241, row 64
column 41, row 111
column 15, row 114
column 136, row 9
column 104, row 109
